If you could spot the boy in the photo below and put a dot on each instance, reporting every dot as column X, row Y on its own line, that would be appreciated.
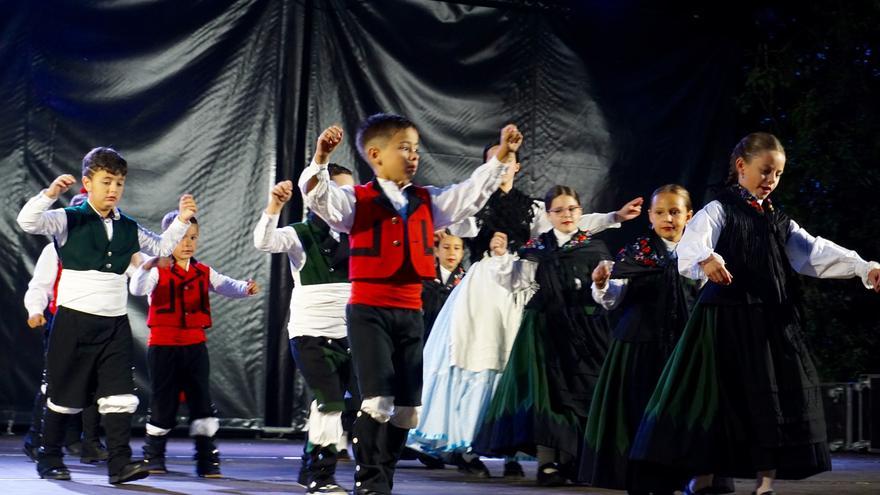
column 39, row 300
column 449, row 251
column 90, row 346
column 177, row 357
column 391, row 222
column 319, row 266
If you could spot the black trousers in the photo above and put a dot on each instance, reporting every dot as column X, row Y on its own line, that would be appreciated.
column 386, row 348
column 327, row 368
column 89, row 357
column 175, row 369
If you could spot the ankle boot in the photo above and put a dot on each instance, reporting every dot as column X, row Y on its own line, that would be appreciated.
column 154, row 453
column 120, row 467
column 396, row 440
column 322, row 470
column 207, row 457
column 369, row 443
column 50, row 456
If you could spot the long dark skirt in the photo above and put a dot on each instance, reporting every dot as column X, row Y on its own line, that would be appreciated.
column 542, row 398
column 739, row 395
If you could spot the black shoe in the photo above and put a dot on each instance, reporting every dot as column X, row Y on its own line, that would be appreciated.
column 343, row 456
column 30, row 451
column 73, row 449
column 132, row 471
column 771, row 492
column 327, row 487
column 430, row 462
column 93, row 453
column 550, row 475
column 55, row 473
column 513, row 469
column 154, row 453
column 474, row 467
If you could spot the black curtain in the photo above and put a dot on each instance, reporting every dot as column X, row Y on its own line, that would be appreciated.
column 223, row 98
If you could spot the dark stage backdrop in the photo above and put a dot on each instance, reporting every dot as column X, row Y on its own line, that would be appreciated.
column 222, row 98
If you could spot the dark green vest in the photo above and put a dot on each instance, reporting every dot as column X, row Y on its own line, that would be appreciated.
column 326, row 258
column 87, row 247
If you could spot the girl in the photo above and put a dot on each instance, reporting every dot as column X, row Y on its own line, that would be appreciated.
column 740, row 395
column 543, row 397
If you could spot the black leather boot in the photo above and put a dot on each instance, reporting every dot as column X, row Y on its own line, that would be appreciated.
column 207, row 457
column 322, row 471
column 154, row 453
column 370, row 444
column 50, row 456
column 120, row 467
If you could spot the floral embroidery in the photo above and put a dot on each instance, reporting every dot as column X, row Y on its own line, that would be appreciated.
column 751, row 200
column 456, row 276
column 642, row 253
column 580, row 238
column 535, row 243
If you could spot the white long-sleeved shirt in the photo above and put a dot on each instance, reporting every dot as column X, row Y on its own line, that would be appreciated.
column 143, row 282
column 449, row 204
column 42, row 285
column 808, row 255
column 92, row 291
column 610, row 296
column 590, row 222
column 315, row 310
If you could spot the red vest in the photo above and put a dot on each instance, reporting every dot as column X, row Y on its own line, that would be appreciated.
column 381, row 241
column 180, row 299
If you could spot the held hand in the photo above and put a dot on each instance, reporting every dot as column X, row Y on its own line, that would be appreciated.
column 874, row 279
column 439, row 235
column 498, row 244
column 161, row 262
column 716, row 271
column 36, row 321
column 327, row 142
column 61, row 184
column 630, row 210
column 510, row 141
column 602, row 273
column 187, row 208
column 280, row 194
column 252, row 287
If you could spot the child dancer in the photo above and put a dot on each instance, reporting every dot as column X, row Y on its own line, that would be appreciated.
column 391, row 222
column 541, row 403
column 90, row 346
column 740, row 395
column 654, row 302
column 449, row 251
column 177, row 356
column 319, row 266
column 39, row 300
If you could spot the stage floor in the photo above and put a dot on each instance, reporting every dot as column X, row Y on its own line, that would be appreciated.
column 269, row 466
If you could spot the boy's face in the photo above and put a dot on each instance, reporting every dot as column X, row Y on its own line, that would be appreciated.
column 105, row 190
column 186, row 248
column 450, row 252
column 513, row 166
column 398, row 160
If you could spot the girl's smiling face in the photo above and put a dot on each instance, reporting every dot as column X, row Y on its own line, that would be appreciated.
column 760, row 174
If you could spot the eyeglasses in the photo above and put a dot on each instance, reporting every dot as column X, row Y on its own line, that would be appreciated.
column 571, row 209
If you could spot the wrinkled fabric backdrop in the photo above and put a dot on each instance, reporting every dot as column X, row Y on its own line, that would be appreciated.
column 222, row 98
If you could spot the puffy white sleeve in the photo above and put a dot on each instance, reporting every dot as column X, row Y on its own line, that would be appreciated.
column 511, row 272
column 41, row 287
column 699, row 239
column 328, row 200
column 227, row 286
column 454, row 203
column 821, row 258
column 270, row 239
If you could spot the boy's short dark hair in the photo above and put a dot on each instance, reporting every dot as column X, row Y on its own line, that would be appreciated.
column 382, row 126
column 106, row 159
column 169, row 218
column 335, row 169
column 490, row 146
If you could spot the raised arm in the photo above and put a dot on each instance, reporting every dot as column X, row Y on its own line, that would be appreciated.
column 323, row 196
column 36, row 218
column 821, row 258
column 145, row 278
column 455, row 203
column 162, row 245
column 268, row 237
